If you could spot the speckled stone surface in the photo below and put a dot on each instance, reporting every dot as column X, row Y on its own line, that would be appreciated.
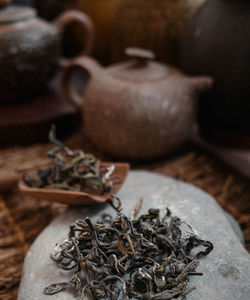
column 226, row 270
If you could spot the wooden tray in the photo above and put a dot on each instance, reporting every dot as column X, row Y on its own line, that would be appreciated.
column 29, row 121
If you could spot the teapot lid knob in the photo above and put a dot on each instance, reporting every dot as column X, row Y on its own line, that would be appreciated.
column 142, row 56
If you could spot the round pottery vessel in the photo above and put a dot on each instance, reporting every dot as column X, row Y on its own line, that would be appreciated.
column 218, row 44
column 158, row 25
column 138, row 109
column 30, row 49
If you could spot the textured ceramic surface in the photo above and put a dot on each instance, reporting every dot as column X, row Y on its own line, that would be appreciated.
column 226, row 269
column 136, row 109
column 28, row 59
column 218, row 44
column 30, row 49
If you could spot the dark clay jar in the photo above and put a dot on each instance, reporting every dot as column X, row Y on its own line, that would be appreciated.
column 30, row 49
column 28, row 57
column 218, row 44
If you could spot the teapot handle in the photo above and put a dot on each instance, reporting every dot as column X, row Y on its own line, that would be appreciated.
column 74, row 16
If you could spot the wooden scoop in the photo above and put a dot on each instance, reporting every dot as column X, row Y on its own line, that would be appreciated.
column 8, row 179
column 77, row 198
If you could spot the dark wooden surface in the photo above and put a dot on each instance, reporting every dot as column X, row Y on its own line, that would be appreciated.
column 29, row 121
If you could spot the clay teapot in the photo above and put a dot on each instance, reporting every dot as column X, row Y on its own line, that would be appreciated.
column 30, row 49
column 218, row 43
column 138, row 109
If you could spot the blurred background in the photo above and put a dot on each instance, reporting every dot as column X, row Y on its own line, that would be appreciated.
column 162, row 84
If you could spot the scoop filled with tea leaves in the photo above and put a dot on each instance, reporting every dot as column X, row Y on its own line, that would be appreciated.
column 74, row 177
column 149, row 257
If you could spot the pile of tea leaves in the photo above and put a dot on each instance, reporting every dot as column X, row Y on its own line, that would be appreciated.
column 148, row 257
column 72, row 170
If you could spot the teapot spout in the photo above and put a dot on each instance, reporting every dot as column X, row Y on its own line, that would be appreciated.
column 202, row 83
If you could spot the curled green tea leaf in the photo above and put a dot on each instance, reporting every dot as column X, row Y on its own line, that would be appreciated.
column 56, row 288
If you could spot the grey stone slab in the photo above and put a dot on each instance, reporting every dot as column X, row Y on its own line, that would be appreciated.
column 226, row 270
column 236, row 228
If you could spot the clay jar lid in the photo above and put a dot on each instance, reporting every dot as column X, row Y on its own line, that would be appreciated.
column 141, row 68
column 12, row 13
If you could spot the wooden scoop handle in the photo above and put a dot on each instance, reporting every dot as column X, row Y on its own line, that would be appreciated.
column 8, row 179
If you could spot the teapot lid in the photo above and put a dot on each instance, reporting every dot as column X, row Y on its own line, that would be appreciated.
column 15, row 13
column 140, row 68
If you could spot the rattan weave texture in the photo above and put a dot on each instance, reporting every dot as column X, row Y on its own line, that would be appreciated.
column 22, row 218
